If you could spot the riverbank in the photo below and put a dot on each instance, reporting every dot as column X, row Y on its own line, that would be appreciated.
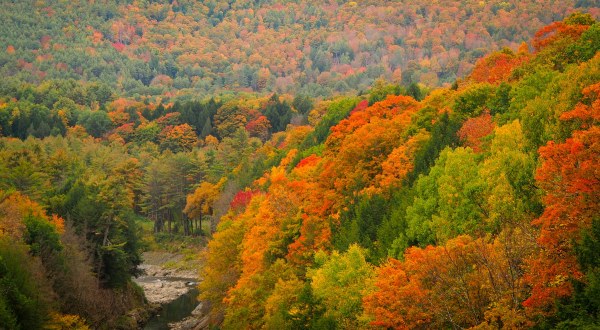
column 170, row 286
column 162, row 286
column 196, row 321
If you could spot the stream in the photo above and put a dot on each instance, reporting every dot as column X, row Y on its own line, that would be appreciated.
column 176, row 293
column 174, row 311
column 174, row 290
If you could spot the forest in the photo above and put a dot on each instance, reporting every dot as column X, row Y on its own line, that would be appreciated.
column 187, row 48
column 428, row 166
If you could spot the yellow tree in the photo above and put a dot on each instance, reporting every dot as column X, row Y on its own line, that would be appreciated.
column 200, row 203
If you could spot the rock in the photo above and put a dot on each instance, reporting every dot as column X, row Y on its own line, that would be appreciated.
column 198, row 310
column 197, row 321
column 162, row 292
column 140, row 316
column 163, row 285
column 190, row 323
column 158, row 271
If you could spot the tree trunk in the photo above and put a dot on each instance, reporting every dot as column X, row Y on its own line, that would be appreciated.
column 200, row 221
column 186, row 225
column 191, row 220
column 170, row 219
column 99, row 252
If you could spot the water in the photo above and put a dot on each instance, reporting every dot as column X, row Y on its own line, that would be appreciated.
column 174, row 311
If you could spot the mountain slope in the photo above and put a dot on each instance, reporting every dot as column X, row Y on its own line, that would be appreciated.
column 467, row 209
column 312, row 48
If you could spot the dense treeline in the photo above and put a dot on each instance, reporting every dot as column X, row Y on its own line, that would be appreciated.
column 66, row 207
column 314, row 48
column 475, row 207
column 81, row 169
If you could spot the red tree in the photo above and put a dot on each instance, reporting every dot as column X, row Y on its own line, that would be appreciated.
column 570, row 177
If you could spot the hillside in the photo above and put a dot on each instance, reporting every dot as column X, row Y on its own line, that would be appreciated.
column 169, row 48
column 476, row 207
column 396, row 204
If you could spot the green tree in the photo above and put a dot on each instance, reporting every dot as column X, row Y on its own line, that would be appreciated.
column 341, row 280
column 22, row 304
column 228, row 119
column 96, row 123
column 472, row 102
column 302, row 103
column 278, row 113
column 361, row 223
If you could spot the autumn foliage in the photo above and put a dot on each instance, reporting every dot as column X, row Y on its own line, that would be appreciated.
column 402, row 206
column 450, row 217
column 241, row 200
column 497, row 67
column 475, row 129
column 569, row 176
column 15, row 207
